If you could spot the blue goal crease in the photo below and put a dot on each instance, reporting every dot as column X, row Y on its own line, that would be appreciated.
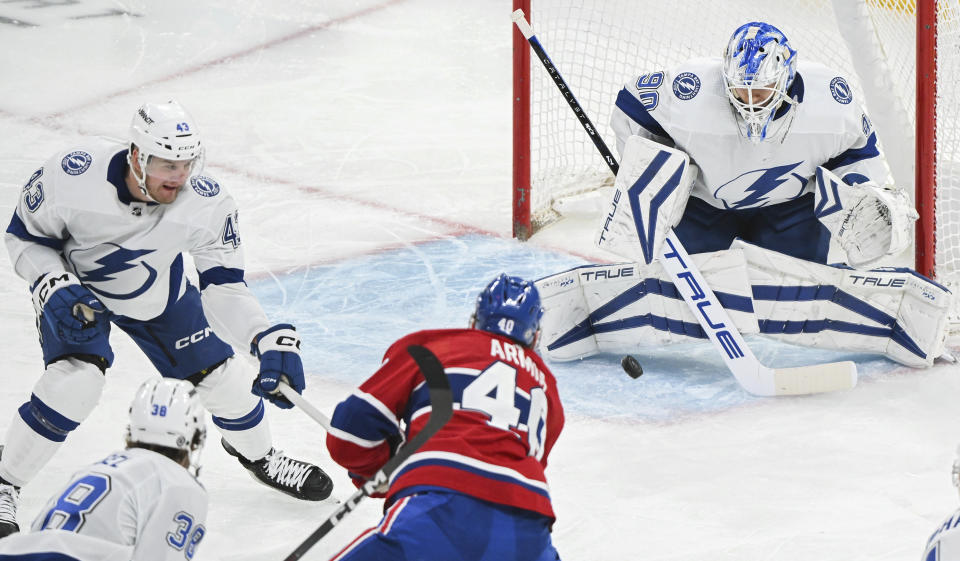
column 349, row 312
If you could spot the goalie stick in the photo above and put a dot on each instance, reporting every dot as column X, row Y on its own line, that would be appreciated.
column 753, row 376
column 441, row 409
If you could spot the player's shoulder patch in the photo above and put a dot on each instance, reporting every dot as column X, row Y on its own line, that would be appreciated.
column 865, row 123
column 76, row 162
column 840, row 90
column 205, row 186
column 686, row 85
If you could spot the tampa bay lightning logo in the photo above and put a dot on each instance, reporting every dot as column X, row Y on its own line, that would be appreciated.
column 204, row 186
column 756, row 188
column 865, row 123
column 686, row 85
column 841, row 91
column 113, row 271
column 76, row 163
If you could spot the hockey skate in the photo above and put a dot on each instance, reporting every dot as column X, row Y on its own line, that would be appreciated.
column 9, row 501
column 298, row 479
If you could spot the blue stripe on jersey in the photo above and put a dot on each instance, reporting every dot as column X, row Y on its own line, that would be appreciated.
column 459, row 381
column 19, row 229
column 591, row 325
column 470, row 469
column 361, row 419
column 44, row 556
column 891, row 329
column 220, row 275
column 420, row 397
column 248, row 421
column 634, row 109
column 854, row 155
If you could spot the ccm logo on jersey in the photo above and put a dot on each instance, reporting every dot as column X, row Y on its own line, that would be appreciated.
column 194, row 338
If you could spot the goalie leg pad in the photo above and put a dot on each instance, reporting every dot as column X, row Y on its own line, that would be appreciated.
column 895, row 312
column 237, row 413
column 63, row 397
column 616, row 308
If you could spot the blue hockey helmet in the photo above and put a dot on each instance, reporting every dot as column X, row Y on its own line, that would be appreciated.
column 759, row 65
column 509, row 306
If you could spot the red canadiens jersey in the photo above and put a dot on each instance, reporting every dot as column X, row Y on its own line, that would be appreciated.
column 506, row 418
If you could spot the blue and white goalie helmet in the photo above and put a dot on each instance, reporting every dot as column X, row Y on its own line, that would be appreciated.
column 759, row 65
column 167, row 412
column 510, row 306
column 167, row 131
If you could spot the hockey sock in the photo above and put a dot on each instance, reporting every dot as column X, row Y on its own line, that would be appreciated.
column 237, row 413
column 62, row 398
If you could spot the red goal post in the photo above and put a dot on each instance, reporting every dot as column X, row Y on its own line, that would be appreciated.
column 888, row 48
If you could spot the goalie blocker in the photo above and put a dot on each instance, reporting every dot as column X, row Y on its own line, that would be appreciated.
column 617, row 308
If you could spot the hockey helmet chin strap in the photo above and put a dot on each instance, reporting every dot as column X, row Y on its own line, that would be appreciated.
column 142, row 177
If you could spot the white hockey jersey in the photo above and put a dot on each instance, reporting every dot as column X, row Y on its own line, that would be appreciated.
column 944, row 543
column 687, row 107
column 133, row 505
column 76, row 214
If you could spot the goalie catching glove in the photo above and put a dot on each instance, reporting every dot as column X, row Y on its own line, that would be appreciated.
column 868, row 221
column 278, row 349
column 69, row 308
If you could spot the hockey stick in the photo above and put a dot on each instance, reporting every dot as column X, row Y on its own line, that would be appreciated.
column 716, row 323
column 304, row 405
column 441, row 409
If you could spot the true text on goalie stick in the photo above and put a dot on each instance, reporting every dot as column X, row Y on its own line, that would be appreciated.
column 716, row 323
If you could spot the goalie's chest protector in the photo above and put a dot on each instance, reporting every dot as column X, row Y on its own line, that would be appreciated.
column 127, row 253
column 736, row 173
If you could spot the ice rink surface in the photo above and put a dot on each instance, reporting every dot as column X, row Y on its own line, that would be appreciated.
column 368, row 145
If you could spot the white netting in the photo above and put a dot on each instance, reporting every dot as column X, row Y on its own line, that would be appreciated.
column 948, row 144
column 598, row 45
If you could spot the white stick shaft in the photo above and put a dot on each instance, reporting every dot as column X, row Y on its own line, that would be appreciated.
column 304, row 405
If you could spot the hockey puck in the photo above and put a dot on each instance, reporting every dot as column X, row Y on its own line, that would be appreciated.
column 631, row 366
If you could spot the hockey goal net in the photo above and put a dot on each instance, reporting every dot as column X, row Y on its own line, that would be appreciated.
column 597, row 45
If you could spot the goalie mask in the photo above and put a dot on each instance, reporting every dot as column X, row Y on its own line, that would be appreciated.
column 167, row 412
column 167, row 141
column 509, row 306
column 758, row 68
